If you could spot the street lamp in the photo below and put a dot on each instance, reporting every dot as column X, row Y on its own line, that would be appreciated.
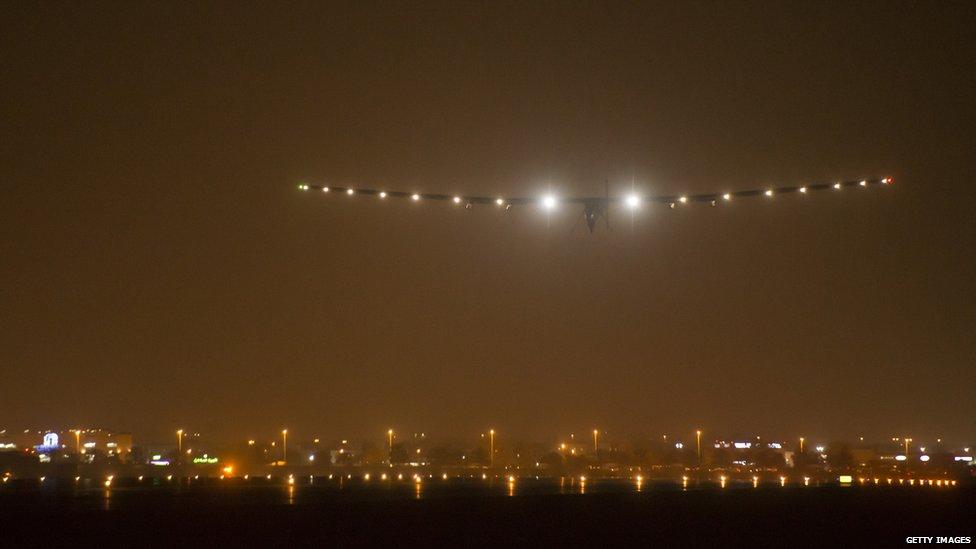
column 284, row 445
column 491, row 456
column 698, row 442
column 389, row 434
column 907, row 440
column 179, row 444
column 801, row 445
column 78, row 440
column 596, row 446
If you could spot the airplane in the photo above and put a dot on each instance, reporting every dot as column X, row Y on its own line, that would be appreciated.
column 596, row 208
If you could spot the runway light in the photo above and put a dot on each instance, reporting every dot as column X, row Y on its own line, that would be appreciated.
column 415, row 197
column 382, row 194
column 549, row 202
column 457, row 199
column 633, row 201
column 886, row 181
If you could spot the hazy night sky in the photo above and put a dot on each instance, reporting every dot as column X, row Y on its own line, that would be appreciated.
column 158, row 269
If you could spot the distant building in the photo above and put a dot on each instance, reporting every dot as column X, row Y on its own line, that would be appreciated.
column 85, row 442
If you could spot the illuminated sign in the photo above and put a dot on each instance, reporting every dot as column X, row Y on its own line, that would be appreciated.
column 924, row 458
column 845, row 479
column 743, row 445
column 900, row 458
column 50, row 443
column 205, row 460
column 160, row 462
column 964, row 458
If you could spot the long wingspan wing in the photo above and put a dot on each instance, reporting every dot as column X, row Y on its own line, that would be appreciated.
column 632, row 199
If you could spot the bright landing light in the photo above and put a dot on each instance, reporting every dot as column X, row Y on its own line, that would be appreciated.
column 457, row 199
column 382, row 194
column 633, row 201
column 549, row 202
column 350, row 191
column 415, row 197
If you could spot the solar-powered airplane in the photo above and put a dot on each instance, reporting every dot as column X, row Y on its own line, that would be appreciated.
column 597, row 207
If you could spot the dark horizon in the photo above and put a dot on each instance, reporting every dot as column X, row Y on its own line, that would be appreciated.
column 161, row 271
